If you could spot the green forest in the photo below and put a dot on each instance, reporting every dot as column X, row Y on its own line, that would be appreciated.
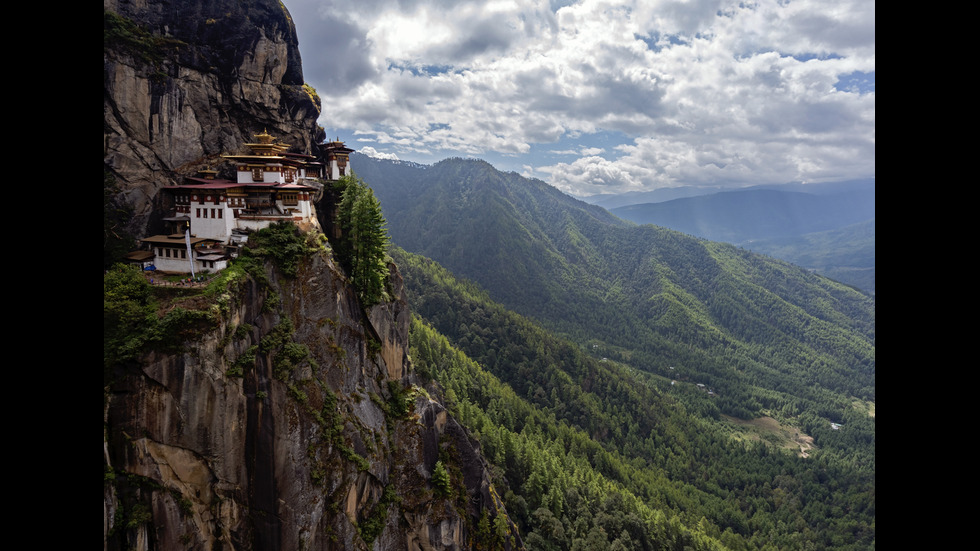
column 632, row 359
column 760, row 333
column 579, row 445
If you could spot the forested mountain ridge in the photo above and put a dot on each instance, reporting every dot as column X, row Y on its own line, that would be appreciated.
column 579, row 440
column 476, row 221
column 846, row 254
column 663, row 334
column 763, row 333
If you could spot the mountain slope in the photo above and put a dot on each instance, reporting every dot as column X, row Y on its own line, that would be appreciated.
column 667, row 335
column 626, row 444
column 846, row 254
column 760, row 331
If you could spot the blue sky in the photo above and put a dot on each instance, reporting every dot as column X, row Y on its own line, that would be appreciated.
column 602, row 96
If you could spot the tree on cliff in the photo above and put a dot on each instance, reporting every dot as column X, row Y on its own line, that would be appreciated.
column 363, row 246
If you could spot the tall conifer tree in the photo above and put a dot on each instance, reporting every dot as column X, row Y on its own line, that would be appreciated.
column 363, row 247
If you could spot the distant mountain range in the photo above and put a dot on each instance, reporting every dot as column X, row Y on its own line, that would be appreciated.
column 616, row 200
column 741, row 216
column 784, row 222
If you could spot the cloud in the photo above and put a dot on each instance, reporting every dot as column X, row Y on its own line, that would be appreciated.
column 703, row 92
column 586, row 151
column 591, row 175
column 372, row 152
column 338, row 59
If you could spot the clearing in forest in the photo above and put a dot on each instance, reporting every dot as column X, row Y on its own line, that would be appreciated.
column 770, row 430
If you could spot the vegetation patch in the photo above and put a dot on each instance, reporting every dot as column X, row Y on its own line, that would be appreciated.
column 245, row 361
column 440, row 480
column 124, row 35
column 134, row 319
column 866, row 407
column 768, row 429
column 374, row 522
column 282, row 242
column 311, row 91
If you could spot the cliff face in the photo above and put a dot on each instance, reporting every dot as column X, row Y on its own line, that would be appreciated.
column 293, row 423
column 290, row 418
column 185, row 81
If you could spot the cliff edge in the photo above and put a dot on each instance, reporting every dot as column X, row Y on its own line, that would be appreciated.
column 285, row 416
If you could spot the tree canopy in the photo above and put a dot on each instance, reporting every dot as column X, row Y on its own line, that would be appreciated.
column 363, row 246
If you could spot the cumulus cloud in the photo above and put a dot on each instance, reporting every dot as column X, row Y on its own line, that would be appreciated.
column 372, row 152
column 703, row 92
column 591, row 175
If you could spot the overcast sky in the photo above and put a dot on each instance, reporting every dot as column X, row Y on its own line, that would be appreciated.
column 599, row 96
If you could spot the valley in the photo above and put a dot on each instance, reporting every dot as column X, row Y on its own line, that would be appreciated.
column 605, row 316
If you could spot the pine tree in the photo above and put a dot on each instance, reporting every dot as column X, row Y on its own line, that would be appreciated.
column 370, row 248
column 363, row 246
column 440, row 480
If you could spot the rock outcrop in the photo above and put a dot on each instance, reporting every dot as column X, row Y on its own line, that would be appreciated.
column 294, row 423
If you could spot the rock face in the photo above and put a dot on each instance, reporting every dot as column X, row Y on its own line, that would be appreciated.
column 293, row 420
column 186, row 81
column 294, row 423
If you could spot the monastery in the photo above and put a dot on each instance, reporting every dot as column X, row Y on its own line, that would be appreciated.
column 211, row 217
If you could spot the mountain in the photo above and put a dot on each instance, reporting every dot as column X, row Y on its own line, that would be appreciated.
column 589, row 451
column 656, row 296
column 268, row 408
column 785, row 222
column 730, row 336
column 846, row 254
column 742, row 216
